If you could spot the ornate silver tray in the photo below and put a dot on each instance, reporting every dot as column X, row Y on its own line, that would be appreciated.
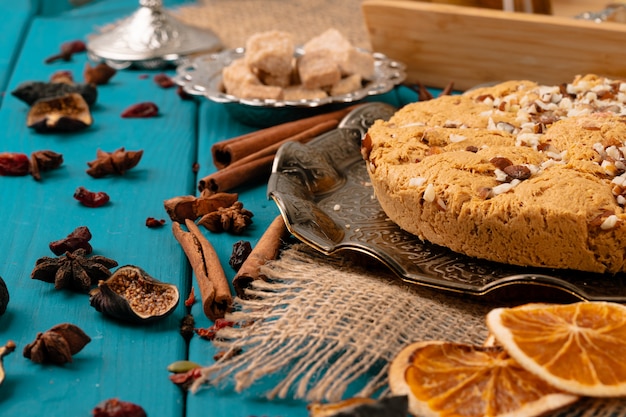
column 202, row 76
column 323, row 192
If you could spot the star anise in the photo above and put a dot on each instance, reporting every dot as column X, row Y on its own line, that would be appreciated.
column 234, row 219
column 74, row 270
column 57, row 345
column 113, row 163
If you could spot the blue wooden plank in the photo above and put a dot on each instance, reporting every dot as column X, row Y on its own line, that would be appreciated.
column 216, row 124
column 66, row 7
column 124, row 361
column 16, row 19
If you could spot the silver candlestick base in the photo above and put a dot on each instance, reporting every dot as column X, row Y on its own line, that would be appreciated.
column 149, row 38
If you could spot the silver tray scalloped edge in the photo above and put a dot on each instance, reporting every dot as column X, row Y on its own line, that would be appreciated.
column 322, row 191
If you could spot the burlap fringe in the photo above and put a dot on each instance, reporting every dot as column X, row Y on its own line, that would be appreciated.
column 325, row 326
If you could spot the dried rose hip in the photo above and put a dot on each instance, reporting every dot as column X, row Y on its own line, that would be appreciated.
column 90, row 198
column 164, row 81
column 152, row 222
column 116, row 408
column 141, row 110
column 14, row 164
column 78, row 239
column 67, row 50
column 210, row 332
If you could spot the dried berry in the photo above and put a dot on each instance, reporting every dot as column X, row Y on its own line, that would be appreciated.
column 113, row 163
column 234, row 219
column 241, row 250
column 44, row 161
column 14, row 164
column 152, row 223
column 116, row 408
column 68, row 113
column 185, row 379
column 5, row 350
column 191, row 298
column 164, row 81
column 210, row 332
column 98, row 75
column 131, row 295
column 67, row 50
column 141, row 110
column 57, row 345
column 32, row 91
column 4, row 296
column 187, row 326
column 183, row 94
column 74, row 270
column 90, row 198
column 78, row 239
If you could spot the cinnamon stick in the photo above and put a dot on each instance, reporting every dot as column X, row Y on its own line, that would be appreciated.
column 229, row 178
column 228, row 151
column 214, row 289
column 267, row 248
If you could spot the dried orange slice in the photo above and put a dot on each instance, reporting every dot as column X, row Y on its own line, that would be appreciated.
column 455, row 379
column 579, row 348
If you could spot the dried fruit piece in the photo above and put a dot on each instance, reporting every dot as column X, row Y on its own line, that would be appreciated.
column 113, row 163
column 191, row 298
column 164, row 81
column 44, row 161
column 32, row 91
column 234, row 219
column 152, row 223
column 116, row 408
column 14, row 164
column 131, row 295
column 68, row 113
column 455, row 379
column 91, row 198
column 210, row 332
column 4, row 296
column 241, row 250
column 57, row 345
column 575, row 347
column 74, row 270
column 5, row 350
column 78, row 239
column 141, row 110
column 67, row 50
column 98, row 75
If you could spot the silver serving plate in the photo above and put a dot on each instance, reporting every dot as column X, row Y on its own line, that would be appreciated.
column 323, row 192
column 202, row 76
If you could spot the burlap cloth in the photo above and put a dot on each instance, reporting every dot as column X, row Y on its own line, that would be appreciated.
column 235, row 20
column 325, row 328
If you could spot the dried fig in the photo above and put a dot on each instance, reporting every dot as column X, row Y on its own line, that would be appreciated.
column 32, row 91
column 131, row 295
column 67, row 113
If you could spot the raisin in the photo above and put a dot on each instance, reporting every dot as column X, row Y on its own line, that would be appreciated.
column 116, row 408
column 241, row 250
column 78, row 239
column 164, row 81
column 152, row 222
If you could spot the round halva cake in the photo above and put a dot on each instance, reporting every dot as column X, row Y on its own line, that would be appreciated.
column 518, row 173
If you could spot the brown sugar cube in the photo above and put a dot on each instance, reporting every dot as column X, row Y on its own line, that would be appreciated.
column 346, row 85
column 299, row 92
column 261, row 91
column 237, row 75
column 318, row 69
column 350, row 60
column 280, row 80
column 270, row 52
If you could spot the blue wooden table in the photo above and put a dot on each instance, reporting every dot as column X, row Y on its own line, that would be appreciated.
column 121, row 361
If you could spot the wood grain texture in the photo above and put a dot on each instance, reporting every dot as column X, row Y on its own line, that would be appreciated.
column 470, row 46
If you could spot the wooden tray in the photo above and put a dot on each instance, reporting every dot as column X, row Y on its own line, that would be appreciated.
column 440, row 43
